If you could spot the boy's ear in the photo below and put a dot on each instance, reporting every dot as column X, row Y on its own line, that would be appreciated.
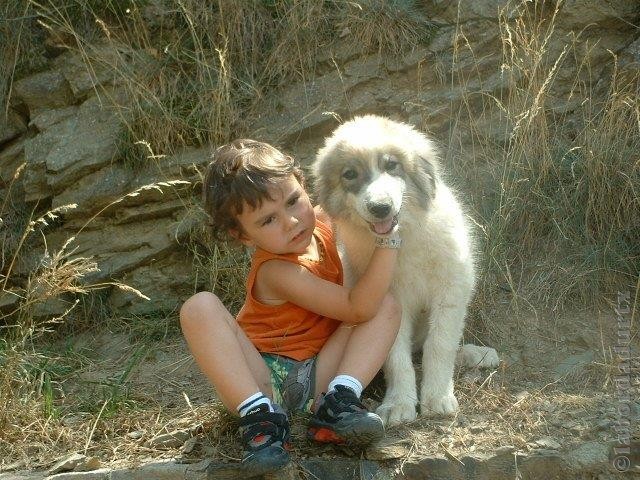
column 241, row 237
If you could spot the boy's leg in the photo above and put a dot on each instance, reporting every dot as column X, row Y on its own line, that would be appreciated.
column 353, row 356
column 239, row 374
column 222, row 350
column 359, row 350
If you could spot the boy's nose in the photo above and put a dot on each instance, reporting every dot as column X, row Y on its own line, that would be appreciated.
column 293, row 221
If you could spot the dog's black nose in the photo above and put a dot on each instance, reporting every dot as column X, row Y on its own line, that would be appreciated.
column 380, row 210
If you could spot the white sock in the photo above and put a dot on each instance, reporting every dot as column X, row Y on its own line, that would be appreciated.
column 346, row 381
column 252, row 402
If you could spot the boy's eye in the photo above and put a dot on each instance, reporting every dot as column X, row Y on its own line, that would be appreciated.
column 293, row 200
column 267, row 221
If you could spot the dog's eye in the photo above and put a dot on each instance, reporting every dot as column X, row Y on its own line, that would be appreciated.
column 350, row 174
column 390, row 163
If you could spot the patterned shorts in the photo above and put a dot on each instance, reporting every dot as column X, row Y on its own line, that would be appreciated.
column 292, row 382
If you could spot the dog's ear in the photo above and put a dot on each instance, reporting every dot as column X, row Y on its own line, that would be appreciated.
column 318, row 182
column 424, row 177
column 325, row 177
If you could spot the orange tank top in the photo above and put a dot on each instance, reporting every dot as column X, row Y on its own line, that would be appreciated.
column 288, row 329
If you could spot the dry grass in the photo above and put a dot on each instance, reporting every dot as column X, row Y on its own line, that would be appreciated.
column 21, row 49
column 32, row 405
column 391, row 27
column 117, row 402
column 208, row 65
column 559, row 219
column 559, row 223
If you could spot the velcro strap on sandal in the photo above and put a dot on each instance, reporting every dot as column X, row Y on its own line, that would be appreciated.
column 278, row 419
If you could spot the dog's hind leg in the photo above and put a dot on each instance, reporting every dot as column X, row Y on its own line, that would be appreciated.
column 476, row 356
column 400, row 400
column 438, row 358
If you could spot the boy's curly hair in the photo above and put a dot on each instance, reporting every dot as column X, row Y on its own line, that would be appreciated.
column 242, row 172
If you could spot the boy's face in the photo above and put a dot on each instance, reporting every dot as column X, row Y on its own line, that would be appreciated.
column 282, row 225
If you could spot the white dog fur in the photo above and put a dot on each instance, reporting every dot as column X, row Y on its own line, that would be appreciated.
column 375, row 171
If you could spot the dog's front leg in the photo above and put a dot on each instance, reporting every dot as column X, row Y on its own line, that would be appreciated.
column 400, row 400
column 438, row 358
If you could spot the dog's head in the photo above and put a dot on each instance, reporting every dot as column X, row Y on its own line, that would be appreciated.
column 370, row 167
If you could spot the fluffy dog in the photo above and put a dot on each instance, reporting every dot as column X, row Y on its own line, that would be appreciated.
column 374, row 175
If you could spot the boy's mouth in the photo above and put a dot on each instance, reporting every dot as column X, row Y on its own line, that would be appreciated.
column 298, row 236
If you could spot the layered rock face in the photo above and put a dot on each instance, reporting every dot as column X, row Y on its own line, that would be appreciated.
column 64, row 129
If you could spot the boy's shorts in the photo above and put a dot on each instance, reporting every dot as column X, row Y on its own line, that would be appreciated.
column 292, row 382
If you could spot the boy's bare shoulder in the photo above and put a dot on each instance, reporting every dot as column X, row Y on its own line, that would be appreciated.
column 272, row 271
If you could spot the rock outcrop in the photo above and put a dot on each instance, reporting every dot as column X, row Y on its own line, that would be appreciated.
column 64, row 128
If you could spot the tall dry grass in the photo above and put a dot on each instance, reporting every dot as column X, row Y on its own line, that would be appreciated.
column 34, row 307
column 190, row 75
column 209, row 63
column 559, row 222
column 21, row 48
column 561, row 216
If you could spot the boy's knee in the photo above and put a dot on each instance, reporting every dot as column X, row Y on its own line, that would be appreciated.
column 194, row 309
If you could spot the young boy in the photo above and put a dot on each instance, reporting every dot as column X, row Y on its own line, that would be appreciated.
column 300, row 332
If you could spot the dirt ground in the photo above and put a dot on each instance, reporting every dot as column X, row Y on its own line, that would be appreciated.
column 553, row 390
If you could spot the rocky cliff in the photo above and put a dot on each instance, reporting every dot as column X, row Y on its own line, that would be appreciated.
column 61, row 141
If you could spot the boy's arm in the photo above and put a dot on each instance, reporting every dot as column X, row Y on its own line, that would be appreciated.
column 294, row 283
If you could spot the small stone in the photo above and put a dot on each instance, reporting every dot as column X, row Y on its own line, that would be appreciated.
column 173, row 439
column 17, row 465
column 388, row 450
column 557, row 422
column 547, row 443
column 520, row 396
column 89, row 464
column 157, row 470
column 72, row 420
column 505, row 449
column 190, row 445
column 547, row 406
column 67, row 464
column 604, row 424
column 136, row 434
column 476, row 429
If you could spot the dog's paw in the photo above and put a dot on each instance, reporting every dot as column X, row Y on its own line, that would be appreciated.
column 438, row 405
column 397, row 412
column 474, row 356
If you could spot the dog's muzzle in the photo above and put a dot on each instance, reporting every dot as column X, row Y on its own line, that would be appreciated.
column 385, row 227
column 387, row 223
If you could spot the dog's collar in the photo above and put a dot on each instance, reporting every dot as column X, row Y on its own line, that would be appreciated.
column 389, row 242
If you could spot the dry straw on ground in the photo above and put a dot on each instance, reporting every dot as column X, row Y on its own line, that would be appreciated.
column 557, row 229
